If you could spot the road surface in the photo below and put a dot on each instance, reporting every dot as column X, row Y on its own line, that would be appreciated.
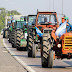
column 34, row 64
column 7, row 62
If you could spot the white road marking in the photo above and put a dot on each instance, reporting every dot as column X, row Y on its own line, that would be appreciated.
column 4, row 51
column 18, row 59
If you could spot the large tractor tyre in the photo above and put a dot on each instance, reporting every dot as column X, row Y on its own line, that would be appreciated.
column 27, row 44
column 20, row 36
column 6, row 34
column 34, row 50
column 50, row 59
column 10, row 37
column 31, row 45
column 14, row 39
column 34, row 45
column 47, row 54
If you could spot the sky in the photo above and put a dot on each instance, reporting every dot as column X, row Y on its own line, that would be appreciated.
column 26, row 7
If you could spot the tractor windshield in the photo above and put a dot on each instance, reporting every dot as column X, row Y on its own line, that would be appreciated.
column 32, row 20
column 19, row 24
column 47, row 18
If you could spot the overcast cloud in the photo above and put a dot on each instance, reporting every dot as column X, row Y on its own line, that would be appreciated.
column 26, row 7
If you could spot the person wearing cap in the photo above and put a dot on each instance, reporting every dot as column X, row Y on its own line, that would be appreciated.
column 69, row 26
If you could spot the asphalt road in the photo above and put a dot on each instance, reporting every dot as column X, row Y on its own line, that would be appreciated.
column 7, row 62
column 35, row 63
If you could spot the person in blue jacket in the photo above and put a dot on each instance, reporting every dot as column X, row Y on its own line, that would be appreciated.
column 69, row 26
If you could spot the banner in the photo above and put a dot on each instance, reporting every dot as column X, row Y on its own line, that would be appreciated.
column 61, row 30
column 39, row 32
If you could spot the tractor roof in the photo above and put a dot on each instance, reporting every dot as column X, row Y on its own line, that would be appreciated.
column 32, row 15
column 19, row 20
column 46, row 12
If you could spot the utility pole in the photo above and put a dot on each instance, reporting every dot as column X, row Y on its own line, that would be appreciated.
column 49, row 5
column 53, row 5
column 6, row 19
column 62, row 6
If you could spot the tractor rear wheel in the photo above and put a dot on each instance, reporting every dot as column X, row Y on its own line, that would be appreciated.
column 47, row 53
column 34, row 50
column 6, row 34
column 20, row 36
column 30, row 40
column 10, row 35
column 14, row 39
column 31, row 44
column 27, row 43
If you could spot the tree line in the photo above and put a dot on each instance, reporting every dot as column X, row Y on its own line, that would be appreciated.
column 3, row 13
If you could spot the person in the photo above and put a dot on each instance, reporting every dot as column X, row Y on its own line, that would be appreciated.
column 63, row 20
column 68, row 25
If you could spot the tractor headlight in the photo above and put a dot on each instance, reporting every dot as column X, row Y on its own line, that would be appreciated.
column 59, row 45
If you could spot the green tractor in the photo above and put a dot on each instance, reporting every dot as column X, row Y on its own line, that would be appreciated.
column 30, row 24
column 11, row 29
column 18, row 37
column 6, row 30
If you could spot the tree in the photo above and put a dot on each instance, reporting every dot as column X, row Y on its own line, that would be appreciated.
column 3, row 14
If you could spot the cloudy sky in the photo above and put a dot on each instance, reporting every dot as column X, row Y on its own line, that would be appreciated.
column 26, row 7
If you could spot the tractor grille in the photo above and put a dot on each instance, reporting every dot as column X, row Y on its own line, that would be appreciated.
column 47, row 30
column 67, row 43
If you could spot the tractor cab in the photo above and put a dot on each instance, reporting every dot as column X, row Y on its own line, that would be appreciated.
column 39, row 35
column 19, row 24
column 31, row 20
column 46, row 21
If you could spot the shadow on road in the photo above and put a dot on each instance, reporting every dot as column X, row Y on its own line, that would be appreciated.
column 54, row 67
column 68, row 62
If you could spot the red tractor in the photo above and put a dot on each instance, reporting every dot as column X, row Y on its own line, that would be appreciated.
column 45, row 23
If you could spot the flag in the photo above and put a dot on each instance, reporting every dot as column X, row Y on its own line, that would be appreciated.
column 39, row 32
column 13, row 20
column 61, row 30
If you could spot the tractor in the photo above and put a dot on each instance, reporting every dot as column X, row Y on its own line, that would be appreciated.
column 6, row 30
column 11, row 30
column 62, row 46
column 18, row 39
column 17, row 25
column 53, row 46
column 30, row 22
column 45, row 23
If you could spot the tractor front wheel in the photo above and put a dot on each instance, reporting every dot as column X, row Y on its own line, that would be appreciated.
column 47, row 53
